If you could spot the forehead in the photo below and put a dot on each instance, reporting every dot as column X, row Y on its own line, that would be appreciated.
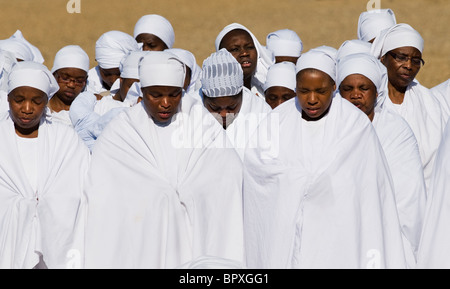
column 161, row 89
column 72, row 71
column 407, row 50
column 235, row 36
column 224, row 100
column 311, row 75
column 148, row 37
column 357, row 78
column 27, row 91
column 279, row 90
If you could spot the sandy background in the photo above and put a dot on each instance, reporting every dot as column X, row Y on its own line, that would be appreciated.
column 48, row 25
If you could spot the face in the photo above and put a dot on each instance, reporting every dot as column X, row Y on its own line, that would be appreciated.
column 240, row 44
column 151, row 42
column 315, row 92
column 276, row 95
column 224, row 109
column 400, row 73
column 72, row 82
column 162, row 102
column 360, row 91
column 27, row 106
column 292, row 59
column 109, row 76
column 125, row 84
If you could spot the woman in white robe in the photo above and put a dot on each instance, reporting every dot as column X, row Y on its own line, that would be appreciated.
column 396, row 137
column 265, row 59
column 318, row 193
column 70, row 68
column 41, row 178
column 160, row 191
column 234, row 106
column 400, row 49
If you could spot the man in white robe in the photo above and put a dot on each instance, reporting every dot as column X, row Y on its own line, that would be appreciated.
column 398, row 142
column 162, row 191
column 41, row 179
column 318, row 193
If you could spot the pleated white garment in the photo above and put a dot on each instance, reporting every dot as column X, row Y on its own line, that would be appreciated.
column 340, row 215
column 434, row 249
column 161, row 196
column 42, row 222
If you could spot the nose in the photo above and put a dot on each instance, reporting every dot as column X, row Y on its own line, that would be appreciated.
column 408, row 64
column 27, row 108
column 243, row 52
column 313, row 99
column 355, row 94
column 165, row 103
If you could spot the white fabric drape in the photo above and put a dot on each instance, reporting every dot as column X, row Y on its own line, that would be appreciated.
column 343, row 215
column 157, row 213
column 434, row 250
column 42, row 222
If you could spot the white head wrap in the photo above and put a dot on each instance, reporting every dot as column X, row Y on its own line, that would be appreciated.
column 112, row 46
column 189, row 59
column 129, row 66
column 161, row 68
column 7, row 61
column 222, row 75
column 71, row 56
column 265, row 56
column 367, row 65
column 399, row 35
column 353, row 46
column 281, row 74
column 33, row 74
column 317, row 59
column 156, row 25
column 331, row 51
column 21, row 48
column 284, row 42
column 371, row 22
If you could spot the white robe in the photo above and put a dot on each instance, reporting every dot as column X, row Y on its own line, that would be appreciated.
column 434, row 249
column 163, row 202
column 402, row 153
column 42, row 222
column 442, row 93
column 342, row 215
column 422, row 111
column 253, row 110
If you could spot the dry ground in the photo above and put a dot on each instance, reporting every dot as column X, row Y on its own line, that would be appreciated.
column 48, row 25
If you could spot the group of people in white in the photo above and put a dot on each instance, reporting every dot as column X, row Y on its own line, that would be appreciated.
column 266, row 156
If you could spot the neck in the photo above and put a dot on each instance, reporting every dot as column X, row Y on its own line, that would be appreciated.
column 27, row 133
column 56, row 104
column 396, row 94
